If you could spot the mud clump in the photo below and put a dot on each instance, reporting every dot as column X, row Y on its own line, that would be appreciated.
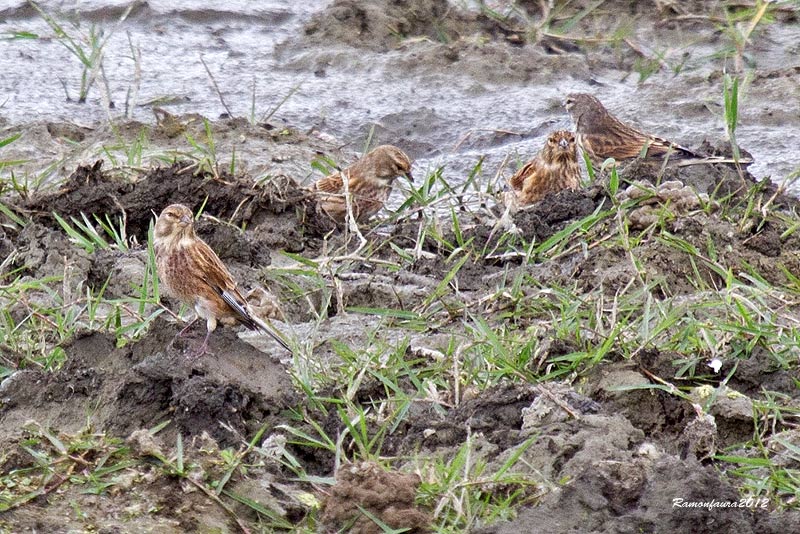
column 431, row 37
column 496, row 412
column 717, row 179
column 121, row 273
column 233, row 245
column 89, row 190
column 622, row 482
column 636, row 497
column 657, row 203
column 377, row 25
column 42, row 252
column 544, row 218
column 387, row 495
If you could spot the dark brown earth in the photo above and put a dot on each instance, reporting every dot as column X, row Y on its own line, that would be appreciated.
column 146, row 382
column 604, row 460
column 626, row 455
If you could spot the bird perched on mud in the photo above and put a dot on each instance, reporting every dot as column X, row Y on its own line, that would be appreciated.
column 366, row 184
column 554, row 168
column 601, row 136
column 190, row 271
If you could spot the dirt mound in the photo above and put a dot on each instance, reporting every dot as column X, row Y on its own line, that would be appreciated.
column 229, row 392
column 713, row 179
column 89, row 190
column 367, row 488
column 379, row 25
column 496, row 412
column 637, row 495
column 619, row 481
column 544, row 218
column 435, row 36
column 676, row 273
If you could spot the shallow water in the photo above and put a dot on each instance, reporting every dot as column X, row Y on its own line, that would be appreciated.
column 451, row 116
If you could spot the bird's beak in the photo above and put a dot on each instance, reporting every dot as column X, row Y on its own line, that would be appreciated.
column 186, row 220
column 409, row 176
column 563, row 143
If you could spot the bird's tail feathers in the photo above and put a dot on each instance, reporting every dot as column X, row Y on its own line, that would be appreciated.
column 241, row 309
column 274, row 333
column 686, row 156
column 251, row 320
column 710, row 160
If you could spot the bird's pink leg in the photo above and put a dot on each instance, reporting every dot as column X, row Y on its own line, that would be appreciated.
column 186, row 328
column 202, row 350
column 182, row 332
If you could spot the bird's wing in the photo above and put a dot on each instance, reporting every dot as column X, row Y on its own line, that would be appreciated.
column 250, row 320
column 516, row 182
column 330, row 184
column 217, row 276
column 611, row 146
column 235, row 302
column 220, row 280
column 658, row 147
column 620, row 141
column 214, row 271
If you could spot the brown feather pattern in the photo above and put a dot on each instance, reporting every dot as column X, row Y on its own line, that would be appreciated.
column 190, row 271
column 553, row 169
column 601, row 135
column 369, row 182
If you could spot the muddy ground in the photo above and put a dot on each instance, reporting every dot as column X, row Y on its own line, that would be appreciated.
column 626, row 455
column 602, row 459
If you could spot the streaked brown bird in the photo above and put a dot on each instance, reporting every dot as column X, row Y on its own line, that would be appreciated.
column 554, row 168
column 601, row 136
column 369, row 184
column 190, row 271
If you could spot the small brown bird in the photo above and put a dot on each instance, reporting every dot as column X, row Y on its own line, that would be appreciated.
column 190, row 271
column 601, row 136
column 369, row 183
column 554, row 168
